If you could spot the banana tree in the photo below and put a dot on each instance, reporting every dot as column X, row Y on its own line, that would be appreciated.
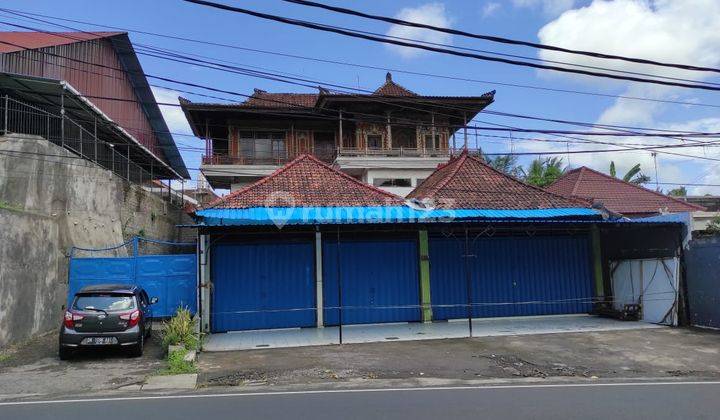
column 633, row 176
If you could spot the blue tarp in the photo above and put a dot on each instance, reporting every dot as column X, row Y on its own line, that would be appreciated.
column 281, row 216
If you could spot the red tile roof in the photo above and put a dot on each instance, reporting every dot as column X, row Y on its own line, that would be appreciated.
column 18, row 41
column 391, row 88
column 467, row 182
column 615, row 194
column 307, row 182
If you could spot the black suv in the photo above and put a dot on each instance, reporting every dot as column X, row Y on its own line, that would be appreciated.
column 107, row 315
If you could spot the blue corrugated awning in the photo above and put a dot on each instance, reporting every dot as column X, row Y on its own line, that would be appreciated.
column 281, row 216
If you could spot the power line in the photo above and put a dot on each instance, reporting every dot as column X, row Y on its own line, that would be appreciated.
column 355, row 34
column 505, row 128
column 365, row 66
column 409, row 99
column 37, row 155
column 264, row 75
column 499, row 39
column 569, row 140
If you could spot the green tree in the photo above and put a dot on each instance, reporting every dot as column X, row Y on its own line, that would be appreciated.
column 678, row 192
column 633, row 176
column 507, row 164
column 543, row 172
column 714, row 226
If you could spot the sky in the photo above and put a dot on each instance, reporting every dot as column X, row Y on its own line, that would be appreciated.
column 663, row 30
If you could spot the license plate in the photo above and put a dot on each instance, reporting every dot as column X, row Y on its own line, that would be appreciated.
column 99, row 341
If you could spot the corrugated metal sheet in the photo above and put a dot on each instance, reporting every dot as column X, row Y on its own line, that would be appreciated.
column 95, row 69
column 358, row 215
column 170, row 278
column 259, row 285
column 380, row 281
column 511, row 276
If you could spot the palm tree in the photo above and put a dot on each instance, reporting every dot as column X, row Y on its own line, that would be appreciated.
column 543, row 172
column 633, row 176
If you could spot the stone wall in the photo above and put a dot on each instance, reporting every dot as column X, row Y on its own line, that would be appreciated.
column 51, row 201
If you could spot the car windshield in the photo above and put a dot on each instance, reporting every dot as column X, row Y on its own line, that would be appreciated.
column 104, row 302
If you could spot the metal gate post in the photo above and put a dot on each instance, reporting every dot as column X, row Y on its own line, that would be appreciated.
column 128, row 163
column 5, row 127
column 425, row 297
column 319, row 318
column 467, row 280
column 136, row 252
column 339, row 281
column 96, row 138
column 62, row 118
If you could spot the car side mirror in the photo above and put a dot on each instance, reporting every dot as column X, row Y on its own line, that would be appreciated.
column 153, row 300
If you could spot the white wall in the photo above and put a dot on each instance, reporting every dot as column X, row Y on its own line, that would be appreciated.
column 415, row 176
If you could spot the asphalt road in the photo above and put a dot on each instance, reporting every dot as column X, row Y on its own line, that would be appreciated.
column 683, row 400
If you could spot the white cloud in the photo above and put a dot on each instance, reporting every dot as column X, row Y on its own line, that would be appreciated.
column 490, row 8
column 174, row 117
column 549, row 7
column 661, row 30
column 178, row 124
column 430, row 14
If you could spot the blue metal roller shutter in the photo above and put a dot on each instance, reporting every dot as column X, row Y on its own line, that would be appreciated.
column 263, row 285
column 511, row 276
column 380, row 281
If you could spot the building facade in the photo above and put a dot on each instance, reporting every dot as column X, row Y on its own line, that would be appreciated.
column 87, row 92
column 392, row 138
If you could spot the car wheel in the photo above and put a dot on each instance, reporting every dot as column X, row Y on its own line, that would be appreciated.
column 137, row 349
column 64, row 353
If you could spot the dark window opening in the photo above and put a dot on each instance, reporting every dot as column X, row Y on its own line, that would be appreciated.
column 430, row 144
column 262, row 145
column 374, row 141
column 391, row 182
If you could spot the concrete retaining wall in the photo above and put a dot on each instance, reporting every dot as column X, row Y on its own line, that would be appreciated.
column 50, row 201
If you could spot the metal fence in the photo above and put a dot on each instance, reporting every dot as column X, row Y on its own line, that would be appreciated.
column 166, row 270
column 83, row 140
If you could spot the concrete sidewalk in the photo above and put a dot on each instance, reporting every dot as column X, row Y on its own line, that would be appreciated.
column 371, row 333
column 671, row 353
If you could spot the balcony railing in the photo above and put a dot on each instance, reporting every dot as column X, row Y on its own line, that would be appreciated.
column 395, row 152
column 326, row 155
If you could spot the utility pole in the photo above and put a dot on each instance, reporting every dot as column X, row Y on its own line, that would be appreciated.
column 657, row 181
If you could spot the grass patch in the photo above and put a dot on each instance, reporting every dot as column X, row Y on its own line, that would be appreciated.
column 178, row 366
column 180, row 329
column 4, row 357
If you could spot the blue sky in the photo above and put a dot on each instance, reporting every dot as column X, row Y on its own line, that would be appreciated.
column 658, row 29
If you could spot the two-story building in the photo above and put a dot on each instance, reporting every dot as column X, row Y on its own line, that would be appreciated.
column 392, row 138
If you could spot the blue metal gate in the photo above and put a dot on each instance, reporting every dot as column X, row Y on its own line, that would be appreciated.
column 260, row 285
column 171, row 278
column 510, row 276
column 380, row 281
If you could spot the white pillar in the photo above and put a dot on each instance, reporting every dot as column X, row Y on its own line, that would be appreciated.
column 340, row 140
column 465, row 131
column 204, row 282
column 319, row 280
